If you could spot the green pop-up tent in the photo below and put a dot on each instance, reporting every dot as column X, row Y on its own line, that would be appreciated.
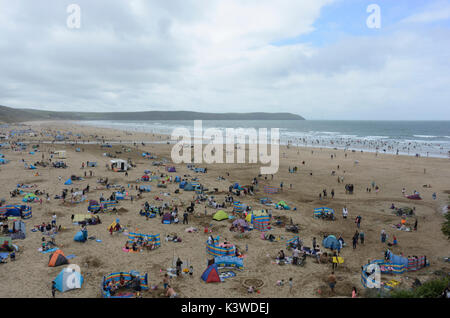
column 220, row 215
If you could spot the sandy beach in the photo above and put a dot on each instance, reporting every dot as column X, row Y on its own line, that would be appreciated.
column 29, row 275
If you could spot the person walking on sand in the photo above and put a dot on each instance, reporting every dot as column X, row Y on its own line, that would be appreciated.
column 53, row 289
column 355, row 240
column 178, row 264
column 383, row 236
column 345, row 212
column 332, row 281
column 166, row 281
column 358, row 221
column 354, row 292
column 291, row 284
column 185, row 218
column 415, row 225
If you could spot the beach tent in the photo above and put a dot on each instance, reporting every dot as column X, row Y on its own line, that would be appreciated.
column 68, row 182
column 220, row 215
column 202, row 170
column 171, row 169
column 119, row 165
column 68, row 279
column 30, row 197
column 57, row 258
column 211, row 274
column 81, row 236
column 121, row 195
column 240, row 222
column 284, row 205
column 167, row 218
column 182, row 184
column 113, row 224
column 147, row 155
column 331, row 242
column 145, row 188
column 19, row 226
column 60, row 154
column 188, row 187
column 145, row 178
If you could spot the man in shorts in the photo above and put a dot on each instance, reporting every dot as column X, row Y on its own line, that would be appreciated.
column 332, row 281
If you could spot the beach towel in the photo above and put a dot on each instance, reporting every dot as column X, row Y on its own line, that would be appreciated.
column 226, row 275
column 71, row 256
column 48, row 251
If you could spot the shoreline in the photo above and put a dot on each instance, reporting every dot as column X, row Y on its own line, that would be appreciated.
column 166, row 139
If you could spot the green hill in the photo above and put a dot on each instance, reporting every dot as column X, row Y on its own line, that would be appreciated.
column 11, row 115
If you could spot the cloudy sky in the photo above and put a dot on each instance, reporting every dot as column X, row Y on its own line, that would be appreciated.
column 316, row 58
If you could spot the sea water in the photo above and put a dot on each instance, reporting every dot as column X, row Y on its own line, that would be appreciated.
column 425, row 138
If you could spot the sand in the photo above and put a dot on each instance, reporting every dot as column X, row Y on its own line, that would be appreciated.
column 29, row 275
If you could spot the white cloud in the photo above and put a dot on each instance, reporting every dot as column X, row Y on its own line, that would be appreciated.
column 214, row 56
column 435, row 12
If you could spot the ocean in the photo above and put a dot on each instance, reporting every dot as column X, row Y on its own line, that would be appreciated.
column 426, row 138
